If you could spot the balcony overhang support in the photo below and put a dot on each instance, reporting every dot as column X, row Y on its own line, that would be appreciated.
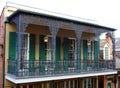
column 51, row 78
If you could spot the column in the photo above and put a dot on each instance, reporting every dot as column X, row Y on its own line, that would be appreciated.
column 78, row 54
column 20, row 31
column 78, row 34
column 113, row 41
column 53, row 30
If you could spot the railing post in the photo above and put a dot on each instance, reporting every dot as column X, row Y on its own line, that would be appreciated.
column 98, row 39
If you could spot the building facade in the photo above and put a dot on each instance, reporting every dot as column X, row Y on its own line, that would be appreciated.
column 47, row 51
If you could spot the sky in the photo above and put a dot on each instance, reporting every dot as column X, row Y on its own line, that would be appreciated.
column 104, row 12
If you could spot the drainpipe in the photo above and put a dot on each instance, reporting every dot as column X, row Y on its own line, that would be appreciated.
column 3, row 61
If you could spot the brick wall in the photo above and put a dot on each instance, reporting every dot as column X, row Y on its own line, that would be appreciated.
column 2, row 28
column 1, row 45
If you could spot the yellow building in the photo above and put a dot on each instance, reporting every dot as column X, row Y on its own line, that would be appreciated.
column 43, row 50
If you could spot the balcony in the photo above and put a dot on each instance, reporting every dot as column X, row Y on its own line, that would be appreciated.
column 36, row 68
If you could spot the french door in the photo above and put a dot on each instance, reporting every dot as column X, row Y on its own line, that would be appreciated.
column 24, row 51
column 72, row 52
column 25, row 47
column 49, row 48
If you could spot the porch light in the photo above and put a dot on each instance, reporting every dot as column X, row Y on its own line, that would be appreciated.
column 46, row 39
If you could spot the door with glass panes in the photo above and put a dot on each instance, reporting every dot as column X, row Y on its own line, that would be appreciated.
column 28, row 52
column 48, row 48
column 48, row 53
column 25, row 50
column 72, row 52
column 90, row 54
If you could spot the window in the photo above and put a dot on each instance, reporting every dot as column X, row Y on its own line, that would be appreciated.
column 90, row 50
column 72, row 53
column 24, row 50
column 72, row 49
column 106, row 52
column 25, row 47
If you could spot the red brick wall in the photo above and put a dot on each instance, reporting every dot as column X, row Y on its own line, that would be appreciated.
column 1, row 44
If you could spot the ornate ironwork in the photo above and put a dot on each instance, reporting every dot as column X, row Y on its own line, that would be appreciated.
column 49, row 68
column 30, row 19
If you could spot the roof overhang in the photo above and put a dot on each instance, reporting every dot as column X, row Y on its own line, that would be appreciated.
column 20, row 11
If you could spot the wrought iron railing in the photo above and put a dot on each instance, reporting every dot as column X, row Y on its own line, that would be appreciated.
column 50, row 68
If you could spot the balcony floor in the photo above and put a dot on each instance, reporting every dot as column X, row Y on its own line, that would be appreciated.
column 18, row 80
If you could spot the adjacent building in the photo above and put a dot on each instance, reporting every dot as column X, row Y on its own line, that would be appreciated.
column 43, row 50
column 105, row 54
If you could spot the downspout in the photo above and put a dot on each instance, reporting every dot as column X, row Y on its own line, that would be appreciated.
column 3, row 67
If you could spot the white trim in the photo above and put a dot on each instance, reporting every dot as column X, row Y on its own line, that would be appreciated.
column 28, row 80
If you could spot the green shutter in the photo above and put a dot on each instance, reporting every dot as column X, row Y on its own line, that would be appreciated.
column 96, row 46
column 42, row 54
column 12, row 46
column 85, row 52
column 12, row 52
column 32, row 47
column 66, row 53
column 96, row 50
column 58, row 44
column 32, row 52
